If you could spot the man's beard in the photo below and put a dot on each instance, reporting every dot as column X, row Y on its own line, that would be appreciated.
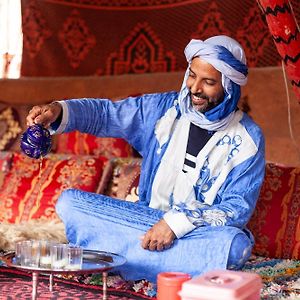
column 210, row 102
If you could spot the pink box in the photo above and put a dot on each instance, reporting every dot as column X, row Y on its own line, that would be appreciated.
column 222, row 285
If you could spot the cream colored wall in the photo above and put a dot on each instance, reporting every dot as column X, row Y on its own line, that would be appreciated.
column 41, row 90
column 269, row 108
column 265, row 91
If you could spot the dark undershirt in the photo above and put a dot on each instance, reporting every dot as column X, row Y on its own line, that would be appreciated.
column 198, row 138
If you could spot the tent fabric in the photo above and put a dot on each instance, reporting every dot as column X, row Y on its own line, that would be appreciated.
column 88, row 37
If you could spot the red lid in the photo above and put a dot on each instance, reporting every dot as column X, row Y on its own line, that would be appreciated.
column 172, row 278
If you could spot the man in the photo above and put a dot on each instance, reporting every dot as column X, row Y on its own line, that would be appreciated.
column 203, row 166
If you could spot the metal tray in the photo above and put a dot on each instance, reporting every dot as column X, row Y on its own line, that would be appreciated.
column 93, row 262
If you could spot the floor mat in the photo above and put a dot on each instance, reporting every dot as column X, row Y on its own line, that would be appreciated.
column 281, row 281
column 16, row 284
column 281, row 277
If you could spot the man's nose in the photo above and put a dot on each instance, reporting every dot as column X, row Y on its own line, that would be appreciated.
column 196, row 87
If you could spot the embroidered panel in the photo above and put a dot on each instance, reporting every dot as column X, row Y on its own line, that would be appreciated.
column 35, row 30
column 101, row 37
column 131, row 5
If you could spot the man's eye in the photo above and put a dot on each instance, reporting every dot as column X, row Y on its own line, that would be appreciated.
column 210, row 82
column 192, row 75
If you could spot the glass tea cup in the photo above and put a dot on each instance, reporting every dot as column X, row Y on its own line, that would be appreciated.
column 59, row 256
column 45, row 254
column 29, row 253
column 17, row 258
column 75, row 254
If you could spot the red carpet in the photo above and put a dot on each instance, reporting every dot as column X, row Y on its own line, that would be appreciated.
column 16, row 284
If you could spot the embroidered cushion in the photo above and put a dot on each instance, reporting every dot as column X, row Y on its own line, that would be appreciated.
column 12, row 124
column 275, row 222
column 122, row 176
column 5, row 164
column 85, row 144
column 28, row 193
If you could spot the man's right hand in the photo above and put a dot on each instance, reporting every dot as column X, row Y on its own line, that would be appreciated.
column 44, row 114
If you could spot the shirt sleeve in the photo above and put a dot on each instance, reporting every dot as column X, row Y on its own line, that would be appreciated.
column 59, row 125
column 233, row 206
column 129, row 119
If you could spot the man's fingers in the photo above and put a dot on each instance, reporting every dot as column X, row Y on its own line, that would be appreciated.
column 153, row 245
column 159, row 237
column 46, row 118
column 37, row 115
column 44, row 114
column 146, row 241
column 168, row 245
column 33, row 113
column 160, row 247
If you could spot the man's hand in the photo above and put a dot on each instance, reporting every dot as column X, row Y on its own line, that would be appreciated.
column 159, row 237
column 44, row 114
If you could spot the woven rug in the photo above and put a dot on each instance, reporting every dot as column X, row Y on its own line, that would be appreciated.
column 16, row 284
column 281, row 277
column 281, row 280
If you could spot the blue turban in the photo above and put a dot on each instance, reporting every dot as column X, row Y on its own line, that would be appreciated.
column 227, row 56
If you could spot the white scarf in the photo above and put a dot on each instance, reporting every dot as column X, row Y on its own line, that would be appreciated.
column 215, row 155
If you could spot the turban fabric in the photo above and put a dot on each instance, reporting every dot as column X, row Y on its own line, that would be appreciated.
column 227, row 56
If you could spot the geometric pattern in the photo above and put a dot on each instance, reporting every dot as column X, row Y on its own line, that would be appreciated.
column 253, row 36
column 17, row 284
column 130, row 5
column 211, row 24
column 102, row 37
column 35, row 29
column 141, row 52
column 76, row 38
column 279, row 278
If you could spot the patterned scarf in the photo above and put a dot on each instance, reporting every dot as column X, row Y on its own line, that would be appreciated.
column 227, row 56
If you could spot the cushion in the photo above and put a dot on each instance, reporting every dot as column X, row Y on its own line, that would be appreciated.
column 85, row 144
column 122, row 176
column 5, row 164
column 12, row 124
column 29, row 192
column 276, row 219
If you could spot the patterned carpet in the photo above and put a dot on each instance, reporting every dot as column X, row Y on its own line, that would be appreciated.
column 16, row 284
column 281, row 277
column 281, row 280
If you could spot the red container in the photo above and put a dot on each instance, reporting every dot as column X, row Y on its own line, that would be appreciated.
column 169, row 284
column 222, row 285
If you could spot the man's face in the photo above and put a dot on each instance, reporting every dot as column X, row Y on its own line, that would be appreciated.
column 205, row 85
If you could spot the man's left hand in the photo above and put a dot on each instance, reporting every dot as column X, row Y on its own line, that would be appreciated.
column 158, row 237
